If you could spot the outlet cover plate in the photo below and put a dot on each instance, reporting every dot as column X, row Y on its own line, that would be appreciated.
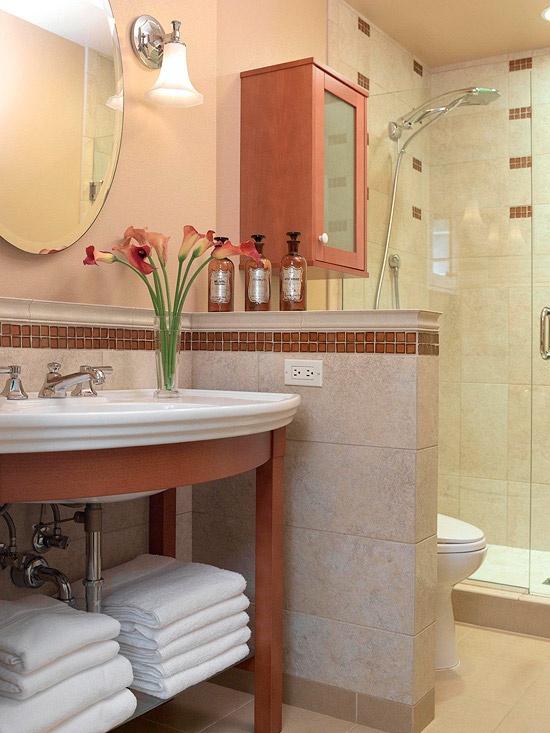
column 304, row 372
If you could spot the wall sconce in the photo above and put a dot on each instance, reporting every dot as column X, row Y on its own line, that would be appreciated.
column 165, row 51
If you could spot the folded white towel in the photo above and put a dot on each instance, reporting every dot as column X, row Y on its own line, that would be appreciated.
column 137, row 651
column 198, row 655
column 21, row 686
column 53, row 706
column 102, row 716
column 37, row 630
column 167, row 687
column 177, row 590
column 150, row 638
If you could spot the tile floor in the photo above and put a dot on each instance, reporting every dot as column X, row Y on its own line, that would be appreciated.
column 501, row 686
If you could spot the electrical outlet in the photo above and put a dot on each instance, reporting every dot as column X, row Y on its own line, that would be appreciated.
column 304, row 372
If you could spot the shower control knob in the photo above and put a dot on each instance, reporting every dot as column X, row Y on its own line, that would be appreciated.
column 323, row 238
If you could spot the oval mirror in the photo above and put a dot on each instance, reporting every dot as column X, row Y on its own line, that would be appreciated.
column 60, row 119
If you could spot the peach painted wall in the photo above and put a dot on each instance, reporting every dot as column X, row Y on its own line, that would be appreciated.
column 252, row 35
column 175, row 166
column 165, row 176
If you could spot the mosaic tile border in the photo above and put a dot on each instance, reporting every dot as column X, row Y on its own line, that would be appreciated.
column 62, row 336
column 421, row 343
column 69, row 337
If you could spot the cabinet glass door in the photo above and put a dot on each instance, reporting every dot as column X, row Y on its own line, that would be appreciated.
column 339, row 173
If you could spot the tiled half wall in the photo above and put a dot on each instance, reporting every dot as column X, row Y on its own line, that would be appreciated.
column 360, row 480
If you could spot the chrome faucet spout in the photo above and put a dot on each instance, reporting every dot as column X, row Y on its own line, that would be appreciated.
column 56, row 385
column 52, row 575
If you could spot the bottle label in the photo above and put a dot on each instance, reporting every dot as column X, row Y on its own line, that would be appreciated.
column 220, row 286
column 258, row 285
column 291, row 279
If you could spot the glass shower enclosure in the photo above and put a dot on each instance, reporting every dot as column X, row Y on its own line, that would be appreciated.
column 472, row 232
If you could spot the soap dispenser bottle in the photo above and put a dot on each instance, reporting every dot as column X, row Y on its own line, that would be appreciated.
column 293, row 277
column 221, row 275
column 257, row 279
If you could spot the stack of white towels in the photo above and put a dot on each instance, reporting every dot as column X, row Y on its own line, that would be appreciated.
column 181, row 623
column 60, row 669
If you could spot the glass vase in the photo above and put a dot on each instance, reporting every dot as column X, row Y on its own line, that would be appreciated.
column 167, row 348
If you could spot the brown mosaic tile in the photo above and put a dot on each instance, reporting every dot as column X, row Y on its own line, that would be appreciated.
column 524, row 162
column 61, row 336
column 520, row 64
column 416, row 212
column 363, row 26
column 520, row 212
column 418, row 68
column 363, row 81
column 417, row 165
column 519, row 113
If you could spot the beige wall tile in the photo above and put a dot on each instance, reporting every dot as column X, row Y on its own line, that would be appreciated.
column 234, row 546
column 480, row 135
column 428, row 398
column 184, row 533
column 452, row 185
column 540, row 506
column 541, row 120
column 483, row 431
column 426, row 494
column 540, row 455
column 225, row 370
column 519, row 335
column 449, row 428
column 324, row 699
column 361, row 388
column 448, row 496
column 519, row 514
column 484, row 348
column 369, row 661
column 424, row 663
column 425, row 581
column 541, row 178
column 354, row 490
column 339, row 576
column 483, row 503
column 519, row 432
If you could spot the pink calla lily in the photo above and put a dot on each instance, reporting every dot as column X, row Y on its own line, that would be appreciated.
column 195, row 242
column 230, row 250
column 93, row 256
column 156, row 240
column 136, row 255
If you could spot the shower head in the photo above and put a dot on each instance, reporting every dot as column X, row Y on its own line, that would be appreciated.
column 439, row 106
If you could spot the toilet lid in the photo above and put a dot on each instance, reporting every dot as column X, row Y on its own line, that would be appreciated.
column 456, row 532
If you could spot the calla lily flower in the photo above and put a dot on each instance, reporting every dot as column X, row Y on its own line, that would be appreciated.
column 136, row 255
column 195, row 243
column 93, row 256
column 156, row 240
column 230, row 250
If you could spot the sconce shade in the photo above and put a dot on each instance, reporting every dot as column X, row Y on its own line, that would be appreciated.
column 173, row 87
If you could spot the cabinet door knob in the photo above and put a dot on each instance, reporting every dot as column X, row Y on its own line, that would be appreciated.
column 323, row 238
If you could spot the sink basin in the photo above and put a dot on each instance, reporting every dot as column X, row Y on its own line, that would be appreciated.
column 124, row 418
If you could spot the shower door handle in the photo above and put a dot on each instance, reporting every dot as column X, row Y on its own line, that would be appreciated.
column 544, row 333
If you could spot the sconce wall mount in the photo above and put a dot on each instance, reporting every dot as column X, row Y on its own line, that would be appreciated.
column 153, row 46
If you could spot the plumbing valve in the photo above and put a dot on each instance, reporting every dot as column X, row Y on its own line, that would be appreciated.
column 45, row 538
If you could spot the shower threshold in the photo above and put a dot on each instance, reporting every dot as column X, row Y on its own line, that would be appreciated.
column 517, row 567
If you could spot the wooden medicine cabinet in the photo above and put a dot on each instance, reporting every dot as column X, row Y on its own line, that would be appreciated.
column 303, row 163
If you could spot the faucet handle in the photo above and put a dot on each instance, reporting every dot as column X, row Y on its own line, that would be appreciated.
column 13, row 389
column 97, row 376
column 54, row 367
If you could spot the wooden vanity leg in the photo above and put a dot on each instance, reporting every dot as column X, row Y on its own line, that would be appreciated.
column 268, row 661
column 162, row 523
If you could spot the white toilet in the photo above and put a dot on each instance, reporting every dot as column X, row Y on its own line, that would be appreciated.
column 461, row 548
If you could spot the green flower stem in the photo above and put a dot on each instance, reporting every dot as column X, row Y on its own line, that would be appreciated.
column 152, row 293
column 179, row 306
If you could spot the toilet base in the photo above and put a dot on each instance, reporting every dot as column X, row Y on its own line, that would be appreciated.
column 446, row 650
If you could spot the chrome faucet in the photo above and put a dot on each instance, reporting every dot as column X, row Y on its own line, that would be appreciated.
column 13, row 389
column 83, row 382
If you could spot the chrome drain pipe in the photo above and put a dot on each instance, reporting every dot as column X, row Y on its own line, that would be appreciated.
column 93, row 583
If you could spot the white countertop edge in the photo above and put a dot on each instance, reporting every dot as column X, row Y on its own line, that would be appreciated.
column 41, row 311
